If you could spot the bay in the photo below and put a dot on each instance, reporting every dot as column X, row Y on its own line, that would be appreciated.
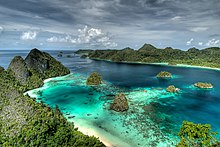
column 154, row 117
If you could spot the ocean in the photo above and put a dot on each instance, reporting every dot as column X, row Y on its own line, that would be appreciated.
column 154, row 116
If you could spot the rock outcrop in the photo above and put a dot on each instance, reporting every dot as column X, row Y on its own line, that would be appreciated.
column 164, row 74
column 203, row 85
column 19, row 69
column 120, row 103
column 37, row 60
column 172, row 89
column 43, row 63
column 36, row 66
column 94, row 79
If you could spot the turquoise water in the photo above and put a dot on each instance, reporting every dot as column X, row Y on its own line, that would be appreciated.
column 80, row 103
column 152, row 120
column 154, row 116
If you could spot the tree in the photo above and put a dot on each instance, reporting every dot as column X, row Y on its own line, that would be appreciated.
column 196, row 135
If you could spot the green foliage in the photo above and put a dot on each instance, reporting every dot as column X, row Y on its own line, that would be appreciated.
column 149, row 54
column 203, row 85
column 1, row 69
column 24, row 122
column 171, row 88
column 194, row 135
column 164, row 74
column 94, row 79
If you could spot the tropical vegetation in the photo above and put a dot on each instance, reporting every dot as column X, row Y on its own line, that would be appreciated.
column 164, row 74
column 203, row 85
column 197, row 135
column 94, row 79
column 208, row 57
column 24, row 122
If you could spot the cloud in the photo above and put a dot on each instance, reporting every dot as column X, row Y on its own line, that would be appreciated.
column 176, row 18
column 94, row 36
column 87, row 36
column 198, row 29
column 129, row 21
column 29, row 35
column 213, row 42
column 1, row 29
column 65, row 39
column 200, row 43
column 189, row 42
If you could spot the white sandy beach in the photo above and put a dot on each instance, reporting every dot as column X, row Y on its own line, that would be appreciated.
column 106, row 138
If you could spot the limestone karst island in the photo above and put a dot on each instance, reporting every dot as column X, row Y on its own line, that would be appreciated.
column 109, row 73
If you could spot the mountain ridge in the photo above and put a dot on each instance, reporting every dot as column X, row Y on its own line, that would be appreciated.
column 208, row 57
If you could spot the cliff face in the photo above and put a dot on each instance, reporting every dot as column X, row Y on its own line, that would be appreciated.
column 37, row 60
column 94, row 79
column 37, row 65
column 43, row 63
column 120, row 103
column 19, row 69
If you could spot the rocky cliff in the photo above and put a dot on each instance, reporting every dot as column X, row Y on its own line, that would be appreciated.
column 120, row 103
column 37, row 66
column 42, row 63
column 94, row 79
column 37, row 60
column 19, row 69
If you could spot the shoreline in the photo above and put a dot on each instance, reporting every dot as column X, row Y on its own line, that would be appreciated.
column 85, row 127
column 105, row 137
column 162, row 64
column 91, row 132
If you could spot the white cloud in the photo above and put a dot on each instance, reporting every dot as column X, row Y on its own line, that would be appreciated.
column 213, row 42
column 1, row 29
column 65, row 39
column 29, row 35
column 198, row 29
column 189, row 42
column 52, row 39
column 200, row 43
column 176, row 18
column 95, row 36
column 87, row 36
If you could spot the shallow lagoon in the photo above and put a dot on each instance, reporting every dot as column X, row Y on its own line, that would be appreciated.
column 89, row 107
column 154, row 117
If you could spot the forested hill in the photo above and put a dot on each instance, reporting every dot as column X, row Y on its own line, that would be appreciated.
column 23, row 121
column 209, row 57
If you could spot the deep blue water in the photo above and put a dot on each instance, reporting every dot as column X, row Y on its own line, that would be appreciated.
column 199, row 106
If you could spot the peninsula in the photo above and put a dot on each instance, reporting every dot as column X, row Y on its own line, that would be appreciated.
column 208, row 57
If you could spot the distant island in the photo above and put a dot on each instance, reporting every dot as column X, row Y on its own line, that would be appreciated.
column 203, row 85
column 23, row 121
column 164, row 75
column 208, row 57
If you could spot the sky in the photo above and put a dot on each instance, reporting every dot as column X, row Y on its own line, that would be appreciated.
column 109, row 24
